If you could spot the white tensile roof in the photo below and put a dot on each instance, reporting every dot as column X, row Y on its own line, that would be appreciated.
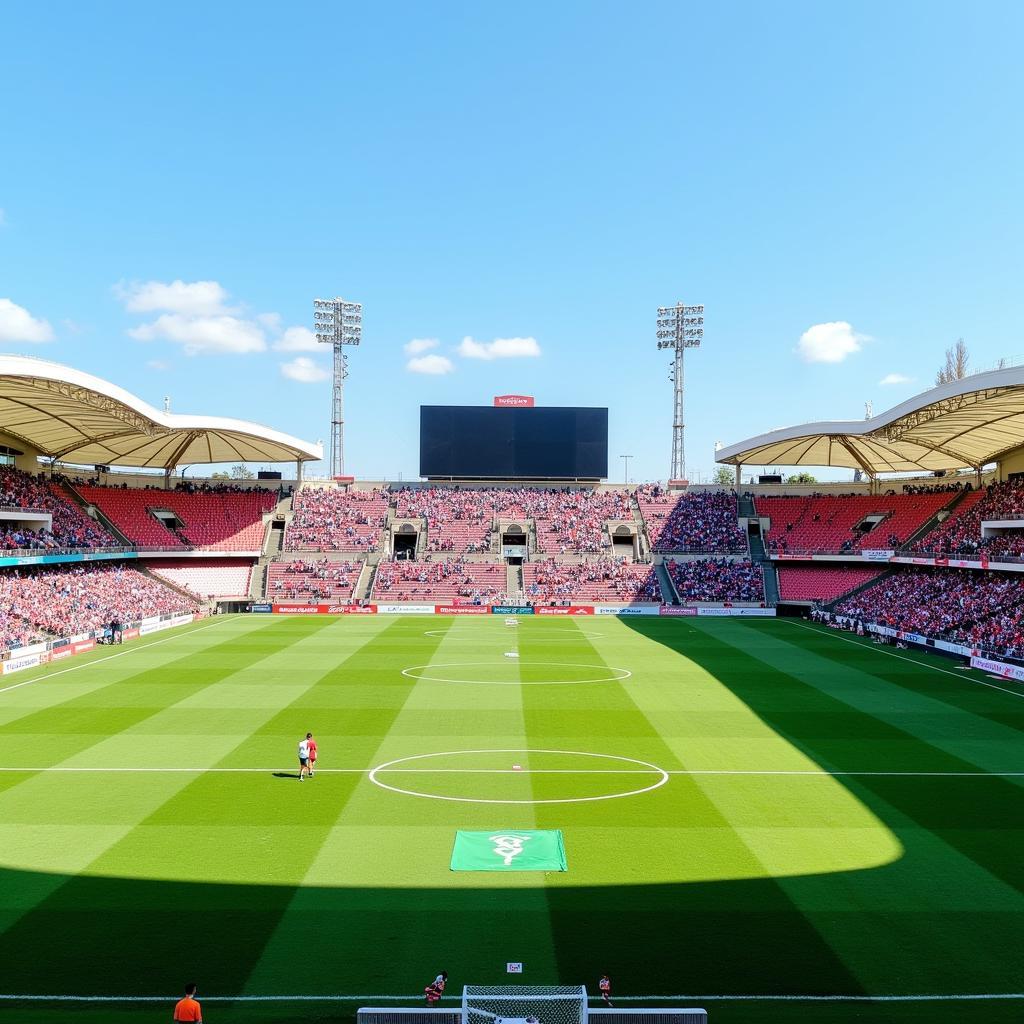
column 78, row 418
column 963, row 424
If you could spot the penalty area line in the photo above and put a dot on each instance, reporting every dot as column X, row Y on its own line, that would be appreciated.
column 928, row 997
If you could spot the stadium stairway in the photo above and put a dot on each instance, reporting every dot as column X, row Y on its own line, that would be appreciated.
column 258, row 581
column 863, row 586
column 759, row 556
column 183, row 591
column 745, row 507
column 946, row 511
column 643, row 542
column 96, row 514
column 362, row 588
column 514, row 582
column 668, row 588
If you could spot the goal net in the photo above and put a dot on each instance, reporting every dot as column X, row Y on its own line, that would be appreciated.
column 524, row 1004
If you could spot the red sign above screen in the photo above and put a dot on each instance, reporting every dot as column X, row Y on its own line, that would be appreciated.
column 515, row 401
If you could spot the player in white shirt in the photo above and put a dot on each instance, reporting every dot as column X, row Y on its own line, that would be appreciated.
column 303, row 758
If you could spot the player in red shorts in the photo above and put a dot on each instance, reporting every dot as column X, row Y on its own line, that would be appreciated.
column 311, row 745
column 435, row 989
column 605, row 985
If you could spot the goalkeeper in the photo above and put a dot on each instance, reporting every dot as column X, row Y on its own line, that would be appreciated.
column 435, row 989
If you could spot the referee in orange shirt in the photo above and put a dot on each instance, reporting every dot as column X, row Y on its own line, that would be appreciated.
column 188, row 1009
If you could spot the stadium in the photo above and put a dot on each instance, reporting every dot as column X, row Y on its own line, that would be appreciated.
column 752, row 751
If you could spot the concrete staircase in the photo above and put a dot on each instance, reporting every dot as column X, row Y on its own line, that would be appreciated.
column 258, row 581
column 514, row 583
column 927, row 528
column 70, row 491
column 366, row 576
column 759, row 556
column 668, row 588
column 863, row 586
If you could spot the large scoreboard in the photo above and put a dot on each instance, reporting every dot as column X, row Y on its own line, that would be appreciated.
column 464, row 442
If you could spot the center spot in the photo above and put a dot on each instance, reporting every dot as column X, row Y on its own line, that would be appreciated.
column 516, row 672
column 518, row 776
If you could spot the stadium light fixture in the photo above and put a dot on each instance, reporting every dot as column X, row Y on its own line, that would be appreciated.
column 625, row 459
column 679, row 327
column 338, row 323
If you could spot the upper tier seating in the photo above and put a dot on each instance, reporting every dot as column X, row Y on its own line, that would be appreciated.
column 222, row 577
column 328, row 519
column 692, row 521
column 309, row 580
column 960, row 534
column 606, row 579
column 800, row 525
column 717, row 580
column 822, row 583
column 212, row 520
column 76, row 599
column 442, row 582
column 70, row 526
column 458, row 520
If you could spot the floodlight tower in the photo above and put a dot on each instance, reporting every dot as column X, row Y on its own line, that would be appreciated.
column 338, row 323
column 679, row 327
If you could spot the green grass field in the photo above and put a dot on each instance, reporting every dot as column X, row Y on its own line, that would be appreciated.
column 772, row 809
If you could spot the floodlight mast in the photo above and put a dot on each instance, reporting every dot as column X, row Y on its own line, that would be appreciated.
column 679, row 327
column 338, row 323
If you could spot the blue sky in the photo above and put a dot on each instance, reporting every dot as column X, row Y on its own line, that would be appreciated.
column 529, row 171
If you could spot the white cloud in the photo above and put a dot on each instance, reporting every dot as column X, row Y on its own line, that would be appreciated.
column 298, row 339
column 420, row 345
column 18, row 324
column 304, row 370
column 895, row 378
column 192, row 298
column 204, row 335
column 433, row 365
column 829, row 343
column 500, row 348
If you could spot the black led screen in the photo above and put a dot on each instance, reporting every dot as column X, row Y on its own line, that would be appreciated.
column 488, row 442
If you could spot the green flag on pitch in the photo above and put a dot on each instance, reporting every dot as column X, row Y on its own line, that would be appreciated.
column 509, row 850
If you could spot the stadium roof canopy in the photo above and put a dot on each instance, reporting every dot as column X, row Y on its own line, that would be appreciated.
column 964, row 424
column 75, row 417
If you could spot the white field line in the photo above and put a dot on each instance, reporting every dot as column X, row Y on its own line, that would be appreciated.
column 515, row 771
column 342, row 998
column 913, row 661
column 109, row 657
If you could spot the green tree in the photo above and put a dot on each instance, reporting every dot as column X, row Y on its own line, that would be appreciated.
column 724, row 476
column 241, row 472
column 802, row 477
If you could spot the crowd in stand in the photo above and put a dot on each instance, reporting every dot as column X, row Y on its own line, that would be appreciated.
column 314, row 579
column 607, row 579
column 70, row 526
column 960, row 534
column 950, row 487
column 717, row 579
column 955, row 603
column 326, row 519
column 76, row 599
column 442, row 507
column 693, row 521
column 452, row 576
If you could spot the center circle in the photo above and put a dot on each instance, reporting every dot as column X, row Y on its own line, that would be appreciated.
column 505, row 673
column 540, row 762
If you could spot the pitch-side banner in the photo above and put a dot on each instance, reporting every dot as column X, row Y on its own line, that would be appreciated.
column 998, row 668
column 762, row 612
column 675, row 609
column 461, row 609
column 577, row 609
column 405, row 609
column 630, row 610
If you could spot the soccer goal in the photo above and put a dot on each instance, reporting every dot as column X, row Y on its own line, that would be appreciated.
column 524, row 1004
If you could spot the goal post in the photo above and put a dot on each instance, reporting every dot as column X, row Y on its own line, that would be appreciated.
column 524, row 1004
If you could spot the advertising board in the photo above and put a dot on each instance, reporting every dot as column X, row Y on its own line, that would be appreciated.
column 405, row 609
column 511, row 609
column 673, row 609
column 461, row 609
column 576, row 609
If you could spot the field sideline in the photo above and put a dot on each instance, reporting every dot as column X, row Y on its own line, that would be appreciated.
column 749, row 807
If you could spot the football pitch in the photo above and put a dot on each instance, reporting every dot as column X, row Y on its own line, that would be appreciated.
column 749, row 808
